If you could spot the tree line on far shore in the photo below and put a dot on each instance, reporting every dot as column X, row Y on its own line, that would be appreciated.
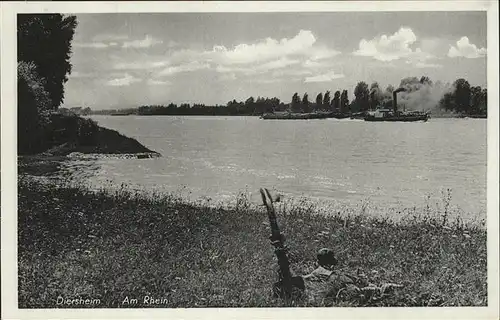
column 466, row 99
column 252, row 106
column 420, row 94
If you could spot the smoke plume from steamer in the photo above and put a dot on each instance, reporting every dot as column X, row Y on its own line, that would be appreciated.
column 422, row 96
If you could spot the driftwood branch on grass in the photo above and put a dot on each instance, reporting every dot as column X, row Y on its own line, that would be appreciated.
column 287, row 285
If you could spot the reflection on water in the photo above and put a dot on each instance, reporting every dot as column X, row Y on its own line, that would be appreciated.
column 59, row 168
column 391, row 164
column 79, row 169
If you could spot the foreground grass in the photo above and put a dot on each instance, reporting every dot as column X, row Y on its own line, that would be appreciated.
column 112, row 245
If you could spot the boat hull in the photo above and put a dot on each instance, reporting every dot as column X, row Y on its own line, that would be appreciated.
column 340, row 116
column 295, row 116
column 398, row 118
column 304, row 116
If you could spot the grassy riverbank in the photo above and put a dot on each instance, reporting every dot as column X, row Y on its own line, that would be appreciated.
column 111, row 245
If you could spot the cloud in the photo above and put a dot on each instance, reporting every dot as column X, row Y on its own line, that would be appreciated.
column 419, row 59
column 388, row 48
column 77, row 74
column 278, row 53
column 140, row 65
column 153, row 82
column 311, row 64
column 188, row 67
column 228, row 77
column 268, row 49
column 330, row 76
column 249, row 59
column 466, row 49
column 147, row 42
column 231, row 69
column 108, row 40
column 291, row 72
column 259, row 68
column 106, row 37
column 438, row 46
column 419, row 55
column 101, row 41
column 322, row 53
column 126, row 80
column 273, row 80
column 398, row 46
column 94, row 45
column 278, row 64
column 427, row 65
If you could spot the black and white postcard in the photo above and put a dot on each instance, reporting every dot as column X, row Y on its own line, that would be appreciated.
column 250, row 159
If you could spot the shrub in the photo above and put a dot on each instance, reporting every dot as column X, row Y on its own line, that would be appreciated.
column 73, row 129
column 87, row 132
column 33, row 108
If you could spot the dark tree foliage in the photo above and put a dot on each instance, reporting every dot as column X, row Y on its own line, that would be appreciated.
column 264, row 105
column 344, row 101
column 465, row 99
column 295, row 105
column 305, row 103
column 362, row 93
column 250, row 101
column 336, row 101
column 462, row 95
column 45, row 40
column 483, row 107
column 326, row 100
column 319, row 101
column 477, row 103
column 232, row 108
column 33, row 105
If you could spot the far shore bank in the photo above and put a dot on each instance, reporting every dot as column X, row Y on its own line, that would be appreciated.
column 431, row 116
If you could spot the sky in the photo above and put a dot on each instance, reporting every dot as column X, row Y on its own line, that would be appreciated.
column 134, row 59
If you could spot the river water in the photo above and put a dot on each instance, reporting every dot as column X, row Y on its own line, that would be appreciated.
column 338, row 161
